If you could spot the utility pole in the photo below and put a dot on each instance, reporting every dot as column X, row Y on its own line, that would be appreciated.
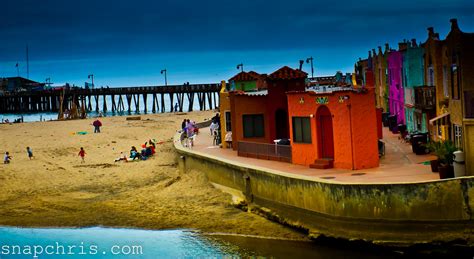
column 241, row 67
column 163, row 71
column 27, row 63
column 310, row 60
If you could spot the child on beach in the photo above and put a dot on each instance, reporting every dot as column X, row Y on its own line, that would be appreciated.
column 7, row 158
column 82, row 154
column 30, row 152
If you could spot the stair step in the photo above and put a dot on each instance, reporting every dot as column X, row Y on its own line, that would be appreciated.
column 322, row 164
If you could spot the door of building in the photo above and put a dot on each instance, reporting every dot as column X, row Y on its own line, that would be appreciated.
column 325, row 133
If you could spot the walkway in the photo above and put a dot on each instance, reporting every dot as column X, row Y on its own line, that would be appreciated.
column 399, row 165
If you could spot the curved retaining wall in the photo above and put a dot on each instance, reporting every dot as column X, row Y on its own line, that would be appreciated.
column 393, row 214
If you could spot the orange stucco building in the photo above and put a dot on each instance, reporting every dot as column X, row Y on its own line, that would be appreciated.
column 262, row 116
column 334, row 129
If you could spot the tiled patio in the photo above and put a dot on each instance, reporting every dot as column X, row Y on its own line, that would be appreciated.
column 399, row 164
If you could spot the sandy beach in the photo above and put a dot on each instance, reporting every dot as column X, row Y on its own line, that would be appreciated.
column 56, row 190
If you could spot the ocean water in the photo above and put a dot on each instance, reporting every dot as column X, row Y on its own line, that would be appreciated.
column 30, row 117
column 98, row 242
column 106, row 243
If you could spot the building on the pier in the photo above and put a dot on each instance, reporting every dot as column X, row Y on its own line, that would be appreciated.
column 335, row 128
column 262, row 116
column 20, row 84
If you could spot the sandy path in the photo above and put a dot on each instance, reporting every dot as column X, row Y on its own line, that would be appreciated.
column 55, row 189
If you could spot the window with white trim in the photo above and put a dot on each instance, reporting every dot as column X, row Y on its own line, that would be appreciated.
column 457, row 135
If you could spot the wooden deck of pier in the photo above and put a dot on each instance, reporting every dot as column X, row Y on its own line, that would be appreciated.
column 113, row 99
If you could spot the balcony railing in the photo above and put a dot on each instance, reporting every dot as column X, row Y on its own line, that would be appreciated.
column 469, row 104
column 265, row 151
column 425, row 97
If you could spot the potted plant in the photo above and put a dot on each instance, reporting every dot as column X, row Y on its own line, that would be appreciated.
column 435, row 147
column 445, row 167
column 444, row 151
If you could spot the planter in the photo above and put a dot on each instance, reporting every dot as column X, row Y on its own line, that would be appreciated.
column 434, row 165
column 445, row 171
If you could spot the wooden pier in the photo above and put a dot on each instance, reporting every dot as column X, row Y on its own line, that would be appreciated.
column 115, row 100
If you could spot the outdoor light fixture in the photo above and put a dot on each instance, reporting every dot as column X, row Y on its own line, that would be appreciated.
column 241, row 67
column 166, row 79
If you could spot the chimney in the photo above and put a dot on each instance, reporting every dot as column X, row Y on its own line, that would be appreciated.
column 387, row 48
column 454, row 24
column 413, row 43
column 402, row 46
column 370, row 54
column 374, row 53
column 380, row 49
column 430, row 32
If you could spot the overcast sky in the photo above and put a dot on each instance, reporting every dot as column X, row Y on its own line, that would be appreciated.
column 129, row 42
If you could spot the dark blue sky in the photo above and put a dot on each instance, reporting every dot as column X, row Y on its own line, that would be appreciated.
column 129, row 42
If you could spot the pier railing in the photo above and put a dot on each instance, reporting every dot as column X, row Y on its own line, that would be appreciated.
column 265, row 151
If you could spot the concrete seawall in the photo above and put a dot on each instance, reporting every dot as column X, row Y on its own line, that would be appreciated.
column 393, row 214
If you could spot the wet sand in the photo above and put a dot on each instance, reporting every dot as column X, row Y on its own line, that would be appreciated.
column 56, row 190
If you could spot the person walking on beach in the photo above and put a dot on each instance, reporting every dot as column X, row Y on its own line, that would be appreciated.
column 7, row 158
column 30, row 152
column 97, row 124
column 176, row 107
column 82, row 154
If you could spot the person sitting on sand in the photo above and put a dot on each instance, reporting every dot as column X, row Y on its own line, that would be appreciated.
column 134, row 153
column 143, row 152
column 151, row 146
column 30, row 152
column 152, row 143
column 7, row 158
column 82, row 154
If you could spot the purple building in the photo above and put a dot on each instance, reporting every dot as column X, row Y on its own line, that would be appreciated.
column 396, row 92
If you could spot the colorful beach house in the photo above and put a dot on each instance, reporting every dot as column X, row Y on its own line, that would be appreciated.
column 327, row 125
column 436, row 76
column 248, row 81
column 262, row 116
column 334, row 128
column 419, row 99
column 396, row 92
column 458, row 58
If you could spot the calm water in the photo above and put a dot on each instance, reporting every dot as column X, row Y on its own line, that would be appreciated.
column 29, row 117
column 100, row 242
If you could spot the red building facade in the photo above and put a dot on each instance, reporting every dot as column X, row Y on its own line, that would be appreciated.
column 338, row 129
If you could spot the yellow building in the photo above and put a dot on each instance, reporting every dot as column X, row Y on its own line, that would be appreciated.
column 224, row 109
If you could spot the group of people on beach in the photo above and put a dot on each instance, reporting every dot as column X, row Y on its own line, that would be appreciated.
column 18, row 120
column 7, row 157
column 148, row 150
